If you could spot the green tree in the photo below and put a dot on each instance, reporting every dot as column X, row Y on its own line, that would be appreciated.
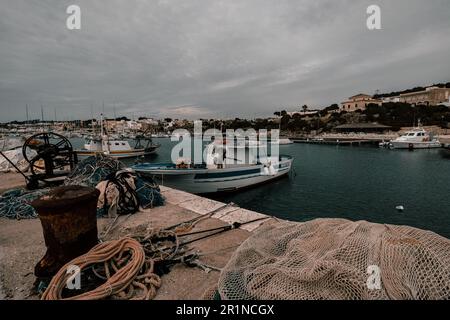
column 304, row 108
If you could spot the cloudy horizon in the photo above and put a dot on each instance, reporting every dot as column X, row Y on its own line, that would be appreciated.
column 202, row 59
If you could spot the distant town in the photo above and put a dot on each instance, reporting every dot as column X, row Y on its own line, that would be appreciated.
column 359, row 113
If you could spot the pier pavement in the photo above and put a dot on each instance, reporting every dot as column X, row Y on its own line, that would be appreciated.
column 22, row 243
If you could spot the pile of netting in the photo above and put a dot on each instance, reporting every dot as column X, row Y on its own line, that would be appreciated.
column 93, row 170
column 121, row 191
column 340, row 260
column 16, row 203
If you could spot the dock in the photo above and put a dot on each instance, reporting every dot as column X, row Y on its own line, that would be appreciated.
column 338, row 142
column 22, row 243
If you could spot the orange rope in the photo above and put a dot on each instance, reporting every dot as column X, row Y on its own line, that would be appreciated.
column 128, row 274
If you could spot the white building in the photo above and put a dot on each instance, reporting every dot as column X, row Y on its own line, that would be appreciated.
column 390, row 99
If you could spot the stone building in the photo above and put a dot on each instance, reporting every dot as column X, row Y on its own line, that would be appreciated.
column 358, row 102
column 432, row 96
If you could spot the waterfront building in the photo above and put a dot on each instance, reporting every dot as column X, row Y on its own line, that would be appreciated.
column 358, row 102
column 431, row 96
column 391, row 99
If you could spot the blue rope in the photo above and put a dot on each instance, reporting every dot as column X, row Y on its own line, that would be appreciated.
column 16, row 203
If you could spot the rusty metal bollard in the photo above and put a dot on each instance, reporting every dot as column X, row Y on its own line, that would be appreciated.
column 69, row 221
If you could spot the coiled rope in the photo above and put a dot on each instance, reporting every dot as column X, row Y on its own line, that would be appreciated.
column 128, row 264
column 131, row 271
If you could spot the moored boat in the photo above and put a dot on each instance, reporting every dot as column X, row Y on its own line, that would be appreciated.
column 217, row 175
column 415, row 139
column 115, row 147
column 118, row 149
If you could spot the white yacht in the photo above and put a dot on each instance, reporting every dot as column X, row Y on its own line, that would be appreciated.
column 417, row 138
column 217, row 175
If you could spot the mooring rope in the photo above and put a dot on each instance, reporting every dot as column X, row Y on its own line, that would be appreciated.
column 128, row 264
column 131, row 270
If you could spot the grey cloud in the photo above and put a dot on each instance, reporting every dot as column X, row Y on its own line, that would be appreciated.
column 196, row 58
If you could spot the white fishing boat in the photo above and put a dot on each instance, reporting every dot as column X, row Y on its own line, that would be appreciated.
column 417, row 138
column 217, row 175
column 116, row 148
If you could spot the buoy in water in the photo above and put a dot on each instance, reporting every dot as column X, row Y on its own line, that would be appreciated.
column 400, row 208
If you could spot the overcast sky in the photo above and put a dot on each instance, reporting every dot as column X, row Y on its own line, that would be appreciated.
column 211, row 58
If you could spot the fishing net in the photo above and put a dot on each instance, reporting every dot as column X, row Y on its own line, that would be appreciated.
column 92, row 170
column 16, row 203
column 121, row 191
column 340, row 260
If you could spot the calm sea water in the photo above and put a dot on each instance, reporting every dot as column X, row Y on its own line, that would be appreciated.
column 357, row 183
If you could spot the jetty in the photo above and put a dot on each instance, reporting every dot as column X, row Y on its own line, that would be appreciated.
column 22, row 243
column 337, row 142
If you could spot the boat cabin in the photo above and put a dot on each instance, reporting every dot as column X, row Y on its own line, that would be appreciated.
column 105, row 145
column 416, row 135
column 220, row 155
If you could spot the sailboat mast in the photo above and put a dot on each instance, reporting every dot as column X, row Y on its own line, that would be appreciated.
column 101, row 125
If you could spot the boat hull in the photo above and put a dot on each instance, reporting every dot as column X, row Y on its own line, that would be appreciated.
column 204, row 181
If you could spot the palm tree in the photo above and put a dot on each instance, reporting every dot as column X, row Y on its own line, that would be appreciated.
column 305, row 108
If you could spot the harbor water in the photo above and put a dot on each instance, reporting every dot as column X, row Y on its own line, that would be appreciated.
column 356, row 183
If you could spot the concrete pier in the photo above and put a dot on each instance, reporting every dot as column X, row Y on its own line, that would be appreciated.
column 340, row 142
column 22, row 243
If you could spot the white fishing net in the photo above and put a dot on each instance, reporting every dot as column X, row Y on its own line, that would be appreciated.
column 338, row 259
